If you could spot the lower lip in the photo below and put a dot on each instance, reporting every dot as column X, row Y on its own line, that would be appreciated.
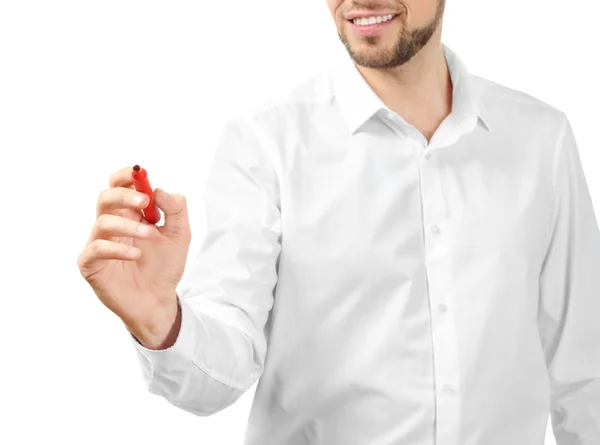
column 370, row 30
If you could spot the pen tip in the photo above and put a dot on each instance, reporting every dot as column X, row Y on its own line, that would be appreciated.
column 136, row 167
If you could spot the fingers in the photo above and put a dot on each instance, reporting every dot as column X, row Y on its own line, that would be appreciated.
column 121, row 178
column 174, row 207
column 102, row 249
column 108, row 226
column 116, row 209
column 120, row 198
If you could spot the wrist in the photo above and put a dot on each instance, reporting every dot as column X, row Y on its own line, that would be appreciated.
column 162, row 331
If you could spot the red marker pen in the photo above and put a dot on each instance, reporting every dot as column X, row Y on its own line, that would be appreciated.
column 139, row 176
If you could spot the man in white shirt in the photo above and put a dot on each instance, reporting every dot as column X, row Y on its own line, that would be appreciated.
column 399, row 251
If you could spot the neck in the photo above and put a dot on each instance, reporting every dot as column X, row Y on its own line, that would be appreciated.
column 420, row 90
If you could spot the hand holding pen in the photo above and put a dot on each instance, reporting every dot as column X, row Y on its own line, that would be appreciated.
column 133, row 265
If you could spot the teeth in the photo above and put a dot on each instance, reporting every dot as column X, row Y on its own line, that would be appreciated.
column 363, row 21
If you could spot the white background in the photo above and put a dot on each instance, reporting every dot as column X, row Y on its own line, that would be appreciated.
column 88, row 87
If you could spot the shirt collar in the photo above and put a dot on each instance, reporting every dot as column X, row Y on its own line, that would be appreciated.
column 358, row 101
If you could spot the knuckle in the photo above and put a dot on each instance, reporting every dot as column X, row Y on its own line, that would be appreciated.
column 81, row 261
column 114, row 179
column 94, row 247
column 103, row 221
column 102, row 196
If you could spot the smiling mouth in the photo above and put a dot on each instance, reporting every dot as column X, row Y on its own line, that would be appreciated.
column 365, row 20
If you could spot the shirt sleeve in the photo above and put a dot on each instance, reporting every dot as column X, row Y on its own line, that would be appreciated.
column 569, row 312
column 227, row 291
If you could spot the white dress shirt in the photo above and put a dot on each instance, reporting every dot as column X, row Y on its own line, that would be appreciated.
column 384, row 290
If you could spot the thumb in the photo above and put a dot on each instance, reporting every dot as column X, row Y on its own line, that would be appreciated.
column 174, row 206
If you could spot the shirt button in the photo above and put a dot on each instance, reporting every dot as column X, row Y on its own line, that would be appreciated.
column 442, row 308
column 435, row 228
column 448, row 389
column 427, row 155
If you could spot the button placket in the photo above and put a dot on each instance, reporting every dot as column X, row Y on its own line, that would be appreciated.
column 433, row 205
column 445, row 354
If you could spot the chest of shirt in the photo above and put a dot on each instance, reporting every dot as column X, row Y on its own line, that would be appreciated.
column 367, row 201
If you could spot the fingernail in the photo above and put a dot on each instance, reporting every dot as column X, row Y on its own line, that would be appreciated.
column 137, row 200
